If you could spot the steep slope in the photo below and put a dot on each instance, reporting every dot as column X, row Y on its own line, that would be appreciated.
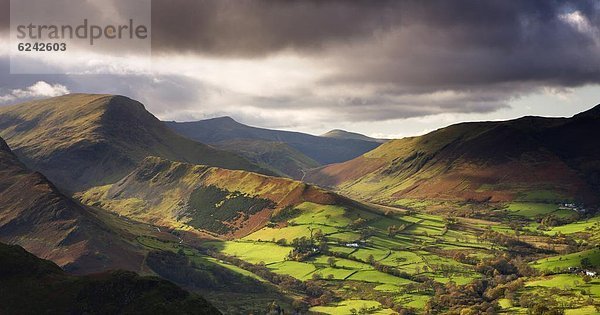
column 278, row 157
column 82, row 140
column 217, row 201
column 35, row 215
column 343, row 134
column 29, row 285
column 531, row 158
column 321, row 149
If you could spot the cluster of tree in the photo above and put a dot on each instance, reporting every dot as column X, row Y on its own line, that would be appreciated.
column 506, row 241
column 461, row 300
column 392, row 230
column 540, row 305
column 505, row 265
column 211, row 208
column 305, row 248
column 178, row 268
column 358, row 223
column 285, row 214
column 502, row 280
column 552, row 220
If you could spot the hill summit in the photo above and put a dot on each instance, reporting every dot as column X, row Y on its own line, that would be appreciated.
column 85, row 140
column 529, row 158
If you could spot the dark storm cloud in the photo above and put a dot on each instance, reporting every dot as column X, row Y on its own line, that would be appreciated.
column 257, row 28
column 493, row 50
column 413, row 58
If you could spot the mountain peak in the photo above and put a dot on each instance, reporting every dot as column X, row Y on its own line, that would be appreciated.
column 223, row 120
column 107, row 134
column 347, row 135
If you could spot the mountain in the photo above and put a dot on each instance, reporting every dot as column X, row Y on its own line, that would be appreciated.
column 220, row 202
column 30, row 285
column 324, row 150
column 83, row 140
column 278, row 157
column 35, row 215
column 531, row 158
column 343, row 134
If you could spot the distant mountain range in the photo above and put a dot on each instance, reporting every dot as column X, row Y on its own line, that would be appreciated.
column 531, row 158
column 343, row 134
column 84, row 140
column 285, row 152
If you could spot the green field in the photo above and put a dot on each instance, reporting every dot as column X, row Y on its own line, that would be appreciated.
column 253, row 252
column 569, row 282
column 563, row 262
column 346, row 307
column 531, row 209
column 421, row 245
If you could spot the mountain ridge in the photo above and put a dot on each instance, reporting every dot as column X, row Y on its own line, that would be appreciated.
column 220, row 131
column 483, row 161
column 83, row 140
column 162, row 192
column 343, row 134
column 37, row 216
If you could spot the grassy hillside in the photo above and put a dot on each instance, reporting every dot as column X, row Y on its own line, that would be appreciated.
column 82, row 140
column 29, row 285
column 217, row 201
column 85, row 240
column 322, row 250
column 324, row 150
column 529, row 159
column 35, row 215
column 278, row 157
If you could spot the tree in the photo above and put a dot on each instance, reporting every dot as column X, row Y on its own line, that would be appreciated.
column 359, row 222
column 274, row 308
column 586, row 263
column 300, row 306
column 331, row 261
column 371, row 259
column 326, row 298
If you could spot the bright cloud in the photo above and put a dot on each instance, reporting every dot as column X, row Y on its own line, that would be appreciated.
column 38, row 90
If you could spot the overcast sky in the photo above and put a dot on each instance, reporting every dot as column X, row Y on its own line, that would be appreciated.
column 384, row 68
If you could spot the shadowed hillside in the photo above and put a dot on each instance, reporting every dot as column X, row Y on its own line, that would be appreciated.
column 35, row 215
column 29, row 285
column 324, row 150
column 278, row 157
column 343, row 134
column 83, row 140
column 531, row 158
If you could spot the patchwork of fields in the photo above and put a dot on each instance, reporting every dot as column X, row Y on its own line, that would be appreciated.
column 370, row 260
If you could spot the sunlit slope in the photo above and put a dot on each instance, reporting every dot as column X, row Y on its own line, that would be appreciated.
column 35, row 215
column 529, row 158
column 218, row 201
column 83, row 140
